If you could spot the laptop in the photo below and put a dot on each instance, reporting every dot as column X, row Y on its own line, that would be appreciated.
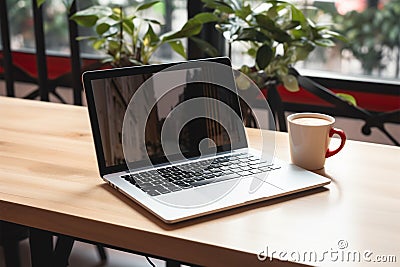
column 174, row 142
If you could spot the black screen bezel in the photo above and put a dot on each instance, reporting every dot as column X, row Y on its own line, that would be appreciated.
column 89, row 76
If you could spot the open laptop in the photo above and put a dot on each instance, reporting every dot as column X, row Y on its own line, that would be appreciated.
column 177, row 146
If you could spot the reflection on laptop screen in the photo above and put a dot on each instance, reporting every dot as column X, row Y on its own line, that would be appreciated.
column 113, row 95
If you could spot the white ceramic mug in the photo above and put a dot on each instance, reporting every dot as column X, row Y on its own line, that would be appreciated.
column 309, row 138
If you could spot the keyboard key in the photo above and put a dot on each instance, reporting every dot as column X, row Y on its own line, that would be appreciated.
column 245, row 173
column 245, row 168
column 265, row 169
column 172, row 187
column 255, row 171
column 264, row 164
column 209, row 176
column 161, row 189
column 219, row 179
column 152, row 192
column 182, row 184
column 157, row 182
column 145, row 185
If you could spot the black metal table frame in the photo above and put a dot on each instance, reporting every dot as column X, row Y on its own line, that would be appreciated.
column 43, row 254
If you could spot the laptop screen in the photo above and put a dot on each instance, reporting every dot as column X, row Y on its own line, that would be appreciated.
column 160, row 117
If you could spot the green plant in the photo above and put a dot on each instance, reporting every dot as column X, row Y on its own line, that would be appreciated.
column 275, row 33
column 131, row 38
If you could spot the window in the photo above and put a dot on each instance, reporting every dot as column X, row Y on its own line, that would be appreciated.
column 372, row 30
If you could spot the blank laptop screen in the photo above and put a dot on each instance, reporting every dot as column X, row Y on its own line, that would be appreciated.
column 196, row 136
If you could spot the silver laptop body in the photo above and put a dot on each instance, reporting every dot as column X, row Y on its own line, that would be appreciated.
column 223, row 175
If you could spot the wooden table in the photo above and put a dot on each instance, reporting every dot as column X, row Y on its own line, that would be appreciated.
column 49, row 180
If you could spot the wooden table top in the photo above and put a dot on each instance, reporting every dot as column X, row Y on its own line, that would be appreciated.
column 49, row 180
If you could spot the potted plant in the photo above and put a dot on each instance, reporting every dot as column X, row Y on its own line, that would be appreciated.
column 276, row 34
column 130, row 38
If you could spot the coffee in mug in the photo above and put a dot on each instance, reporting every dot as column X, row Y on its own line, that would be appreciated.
column 309, row 138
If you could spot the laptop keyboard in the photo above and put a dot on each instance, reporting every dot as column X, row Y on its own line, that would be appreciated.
column 175, row 178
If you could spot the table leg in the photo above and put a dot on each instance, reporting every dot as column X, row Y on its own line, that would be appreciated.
column 41, row 243
column 102, row 252
column 11, row 253
column 62, row 250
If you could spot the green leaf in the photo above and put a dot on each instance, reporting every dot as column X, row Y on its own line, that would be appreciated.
column 290, row 82
column 264, row 56
column 108, row 59
column 265, row 22
column 113, row 45
column 128, row 25
column 178, row 47
column 242, row 81
column 247, row 34
column 104, row 24
column 243, row 12
column 270, row 29
column 98, row 44
column 298, row 15
column 86, row 21
column 303, row 51
column 192, row 27
column 135, row 62
column 336, row 35
column 117, row 12
column 102, row 28
column 150, row 38
column 88, row 17
column 146, row 5
column 280, row 36
column 206, row 17
column 348, row 98
column 291, row 25
column 153, row 21
column 251, row 34
column 99, row 11
column 205, row 46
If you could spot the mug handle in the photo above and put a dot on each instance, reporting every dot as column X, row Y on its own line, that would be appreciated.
column 342, row 135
